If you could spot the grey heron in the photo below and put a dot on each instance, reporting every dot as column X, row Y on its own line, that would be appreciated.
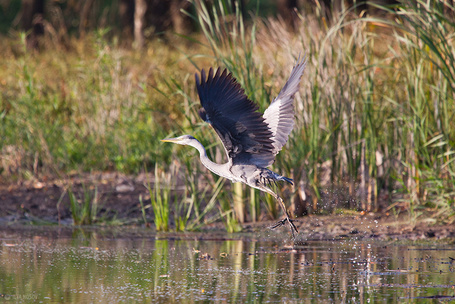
column 251, row 140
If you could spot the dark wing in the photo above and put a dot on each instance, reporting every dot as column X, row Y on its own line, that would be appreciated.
column 279, row 116
column 241, row 128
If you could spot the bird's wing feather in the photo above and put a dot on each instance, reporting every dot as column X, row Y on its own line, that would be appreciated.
column 279, row 116
column 241, row 128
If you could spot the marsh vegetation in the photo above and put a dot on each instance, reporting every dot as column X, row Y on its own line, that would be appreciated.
column 374, row 124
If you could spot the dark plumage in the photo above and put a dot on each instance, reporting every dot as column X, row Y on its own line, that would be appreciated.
column 234, row 117
column 251, row 140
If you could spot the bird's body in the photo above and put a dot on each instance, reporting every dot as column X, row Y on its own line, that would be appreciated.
column 251, row 140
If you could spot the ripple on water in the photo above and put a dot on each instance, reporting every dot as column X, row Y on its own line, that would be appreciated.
column 94, row 269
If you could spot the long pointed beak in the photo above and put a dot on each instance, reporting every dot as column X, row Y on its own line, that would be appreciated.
column 172, row 140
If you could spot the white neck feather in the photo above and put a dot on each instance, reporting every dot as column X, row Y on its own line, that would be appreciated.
column 219, row 169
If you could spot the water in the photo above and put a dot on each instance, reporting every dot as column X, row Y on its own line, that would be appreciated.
column 45, row 265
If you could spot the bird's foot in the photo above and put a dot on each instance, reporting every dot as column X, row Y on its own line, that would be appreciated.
column 279, row 224
column 291, row 226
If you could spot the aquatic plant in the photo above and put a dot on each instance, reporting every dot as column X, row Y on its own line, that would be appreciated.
column 374, row 114
column 84, row 211
column 356, row 127
column 160, row 196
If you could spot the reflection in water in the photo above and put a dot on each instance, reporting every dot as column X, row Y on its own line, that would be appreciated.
column 88, row 268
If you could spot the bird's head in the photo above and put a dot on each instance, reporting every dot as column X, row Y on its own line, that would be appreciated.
column 181, row 140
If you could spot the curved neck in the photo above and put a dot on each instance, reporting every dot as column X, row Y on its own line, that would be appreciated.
column 220, row 169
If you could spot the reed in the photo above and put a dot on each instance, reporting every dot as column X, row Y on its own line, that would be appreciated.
column 368, row 113
column 232, row 45
column 84, row 211
column 426, row 55
column 160, row 196
column 373, row 118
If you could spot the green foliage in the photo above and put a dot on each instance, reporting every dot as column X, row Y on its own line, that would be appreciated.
column 80, row 111
column 160, row 197
column 199, row 200
column 427, row 136
column 368, row 113
column 84, row 211
column 373, row 117
column 230, row 221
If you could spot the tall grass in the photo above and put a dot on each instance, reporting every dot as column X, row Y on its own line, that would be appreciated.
column 377, row 96
column 373, row 117
column 426, row 32
column 85, row 210
column 232, row 45
column 160, row 196
column 91, row 107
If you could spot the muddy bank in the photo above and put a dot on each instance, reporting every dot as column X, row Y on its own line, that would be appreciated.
column 46, row 202
column 47, row 199
column 372, row 226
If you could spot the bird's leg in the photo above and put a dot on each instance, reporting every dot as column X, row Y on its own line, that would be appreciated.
column 291, row 224
column 283, row 222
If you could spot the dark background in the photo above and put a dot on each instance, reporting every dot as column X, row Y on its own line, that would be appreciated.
column 136, row 21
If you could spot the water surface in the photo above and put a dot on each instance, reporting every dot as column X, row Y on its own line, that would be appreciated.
column 95, row 266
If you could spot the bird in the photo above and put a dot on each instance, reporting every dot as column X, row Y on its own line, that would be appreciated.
column 251, row 139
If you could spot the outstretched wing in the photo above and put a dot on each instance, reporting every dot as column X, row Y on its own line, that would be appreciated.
column 279, row 116
column 241, row 128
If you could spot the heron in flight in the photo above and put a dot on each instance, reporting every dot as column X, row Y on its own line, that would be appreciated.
column 251, row 140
